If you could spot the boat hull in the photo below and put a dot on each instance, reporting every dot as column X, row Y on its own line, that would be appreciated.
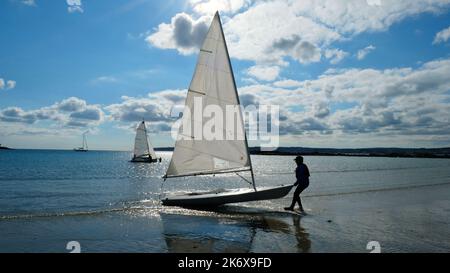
column 222, row 197
column 144, row 160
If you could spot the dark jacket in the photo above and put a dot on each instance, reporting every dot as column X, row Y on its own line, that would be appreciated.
column 302, row 175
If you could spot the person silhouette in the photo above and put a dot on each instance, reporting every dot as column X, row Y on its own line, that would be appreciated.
column 302, row 175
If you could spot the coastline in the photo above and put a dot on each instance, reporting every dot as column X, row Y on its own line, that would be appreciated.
column 391, row 155
column 353, row 152
column 443, row 153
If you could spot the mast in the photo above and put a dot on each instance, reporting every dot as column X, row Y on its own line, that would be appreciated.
column 239, row 103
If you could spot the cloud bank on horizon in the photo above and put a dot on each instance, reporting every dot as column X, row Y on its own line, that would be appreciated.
column 350, row 103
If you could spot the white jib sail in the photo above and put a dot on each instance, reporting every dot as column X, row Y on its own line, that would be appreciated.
column 142, row 147
column 213, row 82
column 85, row 145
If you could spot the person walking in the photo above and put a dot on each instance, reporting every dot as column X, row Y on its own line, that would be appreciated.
column 302, row 175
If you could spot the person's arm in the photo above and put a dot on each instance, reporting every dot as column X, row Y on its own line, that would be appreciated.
column 307, row 171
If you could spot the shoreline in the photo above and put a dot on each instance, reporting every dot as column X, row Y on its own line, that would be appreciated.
column 431, row 153
column 351, row 155
column 246, row 229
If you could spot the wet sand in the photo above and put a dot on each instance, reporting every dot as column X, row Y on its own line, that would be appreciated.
column 412, row 219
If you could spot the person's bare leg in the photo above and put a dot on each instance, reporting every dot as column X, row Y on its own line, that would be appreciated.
column 300, row 204
column 291, row 207
column 294, row 200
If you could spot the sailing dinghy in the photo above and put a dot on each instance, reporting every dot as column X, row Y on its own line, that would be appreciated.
column 214, row 83
column 84, row 145
column 143, row 150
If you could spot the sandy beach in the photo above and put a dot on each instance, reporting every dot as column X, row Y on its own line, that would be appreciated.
column 408, row 219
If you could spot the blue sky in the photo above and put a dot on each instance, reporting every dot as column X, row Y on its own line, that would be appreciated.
column 71, row 66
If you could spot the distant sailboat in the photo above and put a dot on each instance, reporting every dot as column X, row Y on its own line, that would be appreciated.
column 143, row 150
column 213, row 81
column 84, row 145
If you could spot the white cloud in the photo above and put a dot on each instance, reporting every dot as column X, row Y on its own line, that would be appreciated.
column 263, row 72
column 306, row 53
column 71, row 104
column 273, row 32
column 71, row 112
column 74, row 6
column 287, row 83
column 29, row 2
column 335, row 55
column 105, row 79
column 374, row 2
column 362, row 53
column 155, row 109
column 406, row 105
column 211, row 6
column 356, row 16
column 442, row 36
column 321, row 110
column 183, row 34
column 10, row 84
column 398, row 106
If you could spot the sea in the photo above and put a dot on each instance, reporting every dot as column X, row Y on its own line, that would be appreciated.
column 51, row 200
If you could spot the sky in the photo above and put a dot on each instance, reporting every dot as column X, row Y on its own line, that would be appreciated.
column 350, row 74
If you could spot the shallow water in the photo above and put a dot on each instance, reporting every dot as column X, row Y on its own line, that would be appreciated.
column 48, row 198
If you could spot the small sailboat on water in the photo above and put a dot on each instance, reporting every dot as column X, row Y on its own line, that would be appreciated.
column 143, row 150
column 84, row 145
column 214, row 83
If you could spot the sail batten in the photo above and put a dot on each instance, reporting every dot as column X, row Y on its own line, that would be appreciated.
column 213, row 82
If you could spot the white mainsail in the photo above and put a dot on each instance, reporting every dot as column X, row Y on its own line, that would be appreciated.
column 85, row 145
column 142, row 146
column 213, row 81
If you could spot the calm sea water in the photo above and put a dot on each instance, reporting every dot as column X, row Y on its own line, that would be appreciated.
column 48, row 198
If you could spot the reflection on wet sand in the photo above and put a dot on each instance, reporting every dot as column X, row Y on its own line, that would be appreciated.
column 192, row 233
column 232, row 232
column 303, row 241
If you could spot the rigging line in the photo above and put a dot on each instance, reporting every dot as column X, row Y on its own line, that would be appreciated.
column 161, row 189
column 245, row 179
